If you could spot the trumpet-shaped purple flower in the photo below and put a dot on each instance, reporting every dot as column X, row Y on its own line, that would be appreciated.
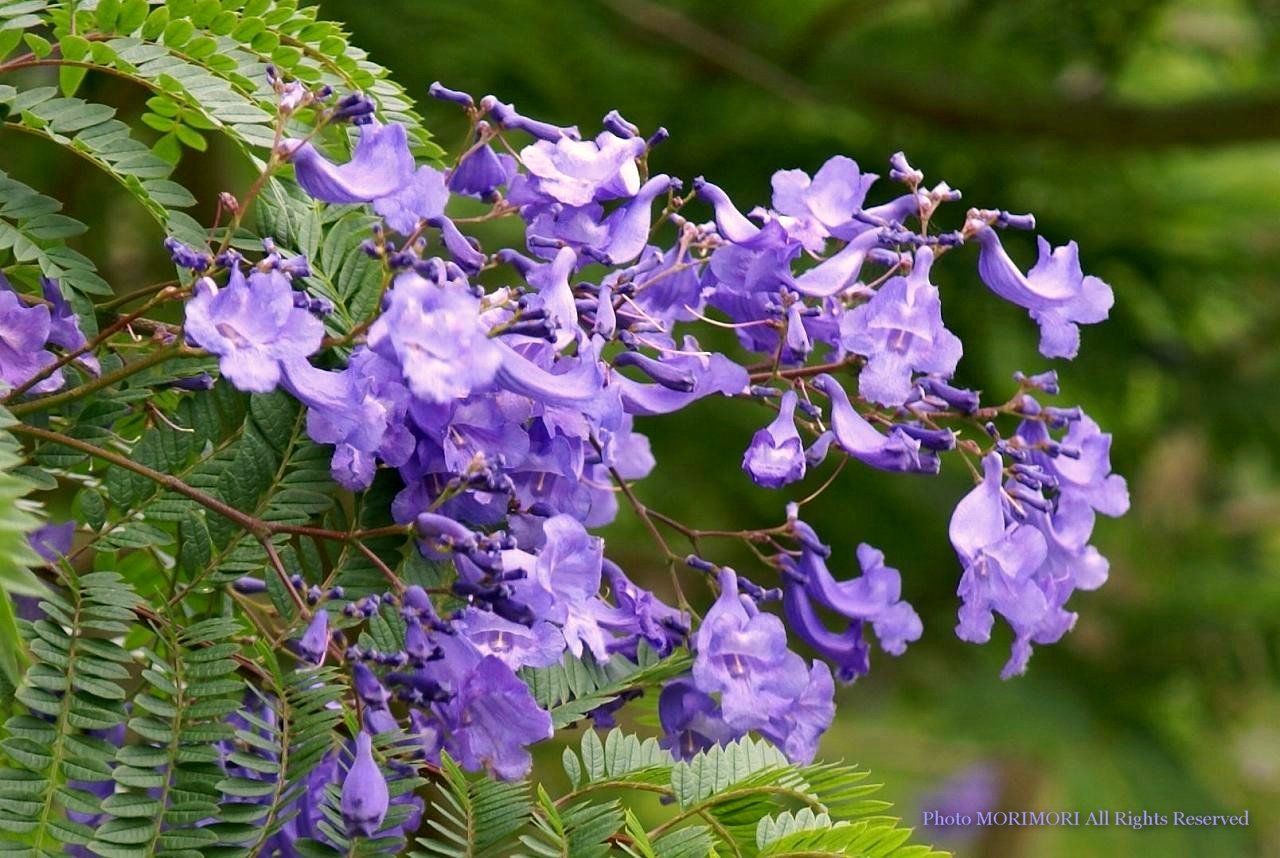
column 742, row 655
column 516, row 645
column 1000, row 560
column 422, row 197
column 315, row 640
column 492, row 719
column 24, row 331
column 875, row 597
column 776, row 454
column 252, row 326
column 896, row 451
column 365, row 796
column 380, row 166
column 578, row 172
column 435, row 334
column 1055, row 290
column 900, row 331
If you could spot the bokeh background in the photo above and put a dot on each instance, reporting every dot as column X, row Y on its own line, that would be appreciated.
column 1147, row 130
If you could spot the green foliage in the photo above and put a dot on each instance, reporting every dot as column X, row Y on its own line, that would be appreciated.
column 743, row 799
column 74, row 686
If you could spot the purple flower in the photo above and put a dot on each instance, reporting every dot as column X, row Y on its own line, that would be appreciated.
column 900, row 331
column 364, row 792
column 710, row 372
column 874, row 597
column 798, row 728
column 1055, row 290
column 827, row 203
column 897, row 451
column 435, row 334
column 516, row 645
column 381, row 166
column 24, row 331
column 252, row 326
column 691, row 720
column 776, row 454
column 64, row 325
column 643, row 613
column 578, row 172
column 742, row 655
column 315, row 640
column 493, row 717
column 480, row 171
column 422, row 197
column 999, row 559
column 53, row 541
column 569, row 569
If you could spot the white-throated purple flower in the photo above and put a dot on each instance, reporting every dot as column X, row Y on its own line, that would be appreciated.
column 516, row 645
column 900, row 332
column 24, row 331
column 742, row 655
column 776, row 454
column 1055, row 291
column 365, row 796
column 252, row 326
column 435, row 334
column 896, row 451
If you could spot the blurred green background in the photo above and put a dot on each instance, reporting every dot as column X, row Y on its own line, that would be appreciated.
column 1147, row 131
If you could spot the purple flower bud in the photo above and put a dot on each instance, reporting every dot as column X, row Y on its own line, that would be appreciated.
column 1014, row 221
column 1045, row 381
column 931, row 439
column 964, row 401
column 364, row 792
column 670, row 377
column 614, row 122
column 371, row 691
column 442, row 92
column 776, row 454
column 188, row 257
column 901, row 171
column 508, row 118
column 315, row 641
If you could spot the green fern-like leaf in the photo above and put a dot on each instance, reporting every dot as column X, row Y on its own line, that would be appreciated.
column 476, row 816
column 76, row 685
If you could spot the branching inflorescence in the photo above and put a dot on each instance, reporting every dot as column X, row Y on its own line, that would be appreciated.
column 501, row 387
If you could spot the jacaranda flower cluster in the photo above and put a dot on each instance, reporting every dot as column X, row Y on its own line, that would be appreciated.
column 504, row 386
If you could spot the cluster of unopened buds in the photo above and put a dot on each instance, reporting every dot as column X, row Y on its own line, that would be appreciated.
column 508, row 413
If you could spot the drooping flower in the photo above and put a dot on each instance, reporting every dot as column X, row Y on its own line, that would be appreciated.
column 1055, row 290
column 516, row 645
column 252, row 326
column 435, row 334
column 365, row 796
column 776, row 454
column 492, row 719
column 64, row 325
column 315, row 640
column 897, row 451
column 900, row 331
column 380, row 166
column 1000, row 559
column 742, row 655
